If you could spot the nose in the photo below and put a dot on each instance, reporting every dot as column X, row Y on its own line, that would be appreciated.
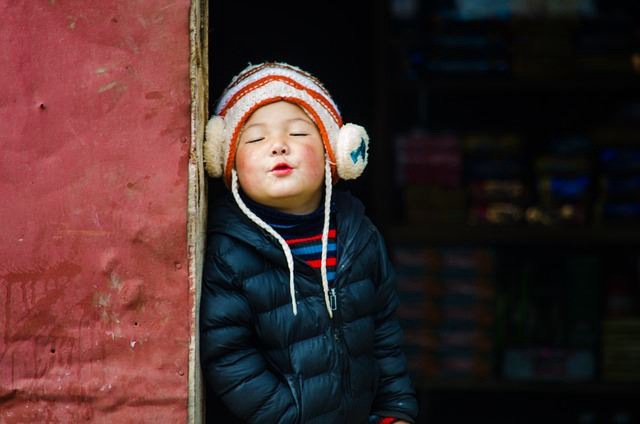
column 279, row 148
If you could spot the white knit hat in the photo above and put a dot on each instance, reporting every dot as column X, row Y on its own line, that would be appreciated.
column 346, row 145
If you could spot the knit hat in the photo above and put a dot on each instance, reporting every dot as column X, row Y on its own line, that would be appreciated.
column 346, row 145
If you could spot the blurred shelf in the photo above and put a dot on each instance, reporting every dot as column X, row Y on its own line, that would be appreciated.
column 578, row 388
column 406, row 31
column 429, row 18
column 515, row 235
column 627, row 85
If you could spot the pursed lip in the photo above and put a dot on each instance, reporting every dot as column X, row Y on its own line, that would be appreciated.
column 281, row 168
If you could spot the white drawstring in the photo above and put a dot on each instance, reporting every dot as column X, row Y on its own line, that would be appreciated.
column 285, row 247
column 325, row 234
column 260, row 223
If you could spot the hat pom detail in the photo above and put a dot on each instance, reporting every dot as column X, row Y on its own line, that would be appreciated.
column 352, row 151
column 214, row 146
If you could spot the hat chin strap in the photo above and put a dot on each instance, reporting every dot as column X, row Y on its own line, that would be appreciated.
column 283, row 244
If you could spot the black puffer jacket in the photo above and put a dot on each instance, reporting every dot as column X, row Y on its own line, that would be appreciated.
column 269, row 366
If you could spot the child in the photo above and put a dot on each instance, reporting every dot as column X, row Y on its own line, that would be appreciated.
column 297, row 317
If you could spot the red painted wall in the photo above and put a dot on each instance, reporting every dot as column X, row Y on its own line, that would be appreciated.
column 95, row 311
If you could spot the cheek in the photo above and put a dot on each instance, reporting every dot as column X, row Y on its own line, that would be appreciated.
column 314, row 157
column 242, row 163
column 245, row 166
column 246, row 158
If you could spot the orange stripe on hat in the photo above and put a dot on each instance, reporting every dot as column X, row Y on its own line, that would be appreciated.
column 269, row 78
column 271, row 65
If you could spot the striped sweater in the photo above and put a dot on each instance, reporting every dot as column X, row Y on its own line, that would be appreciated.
column 303, row 234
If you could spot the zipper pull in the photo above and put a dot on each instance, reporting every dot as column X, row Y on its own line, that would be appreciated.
column 333, row 300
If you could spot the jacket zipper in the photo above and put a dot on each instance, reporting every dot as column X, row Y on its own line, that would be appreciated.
column 333, row 300
column 336, row 324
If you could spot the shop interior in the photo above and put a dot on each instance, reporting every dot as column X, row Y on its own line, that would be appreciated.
column 504, row 174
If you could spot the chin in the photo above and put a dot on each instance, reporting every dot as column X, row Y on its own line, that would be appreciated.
column 289, row 198
column 284, row 193
column 284, row 199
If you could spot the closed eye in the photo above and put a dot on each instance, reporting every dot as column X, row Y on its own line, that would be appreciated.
column 298, row 134
column 254, row 140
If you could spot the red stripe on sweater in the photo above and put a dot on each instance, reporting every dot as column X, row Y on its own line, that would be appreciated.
column 316, row 263
column 332, row 234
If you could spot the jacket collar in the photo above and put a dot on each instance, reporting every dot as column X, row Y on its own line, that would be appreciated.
column 227, row 218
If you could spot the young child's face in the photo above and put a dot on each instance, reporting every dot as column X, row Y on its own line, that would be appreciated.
column 280, row 159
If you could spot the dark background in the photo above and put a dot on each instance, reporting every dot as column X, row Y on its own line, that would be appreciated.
column 548, row 313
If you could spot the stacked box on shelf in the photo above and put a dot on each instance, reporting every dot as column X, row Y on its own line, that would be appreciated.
column 429, row 168
column 621, row 326
column 605, row 47
column 503, row 9
column 551, row 318
column 621, row 350
column 447, row 310
column 619, row 186
column 411, row 267
column 470, row 52
column 563, row 179
column 546, row 48
column 460, row 313
column 446, row 48
column 543, row 51
column 495, row 173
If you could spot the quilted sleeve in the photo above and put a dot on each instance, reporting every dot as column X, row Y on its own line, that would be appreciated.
column 396, row 396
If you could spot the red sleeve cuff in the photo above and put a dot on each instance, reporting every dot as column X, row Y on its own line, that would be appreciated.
column 388, row 420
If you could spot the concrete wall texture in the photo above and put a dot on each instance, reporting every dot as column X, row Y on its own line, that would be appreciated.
column 95, row 304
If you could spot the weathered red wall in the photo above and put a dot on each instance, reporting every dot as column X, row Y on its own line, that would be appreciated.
column 95, row 311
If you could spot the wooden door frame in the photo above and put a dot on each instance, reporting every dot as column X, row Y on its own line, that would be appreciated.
column 197, row 199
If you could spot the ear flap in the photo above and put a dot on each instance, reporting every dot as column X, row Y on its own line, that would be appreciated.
column 215, row 136
column 352, row 151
